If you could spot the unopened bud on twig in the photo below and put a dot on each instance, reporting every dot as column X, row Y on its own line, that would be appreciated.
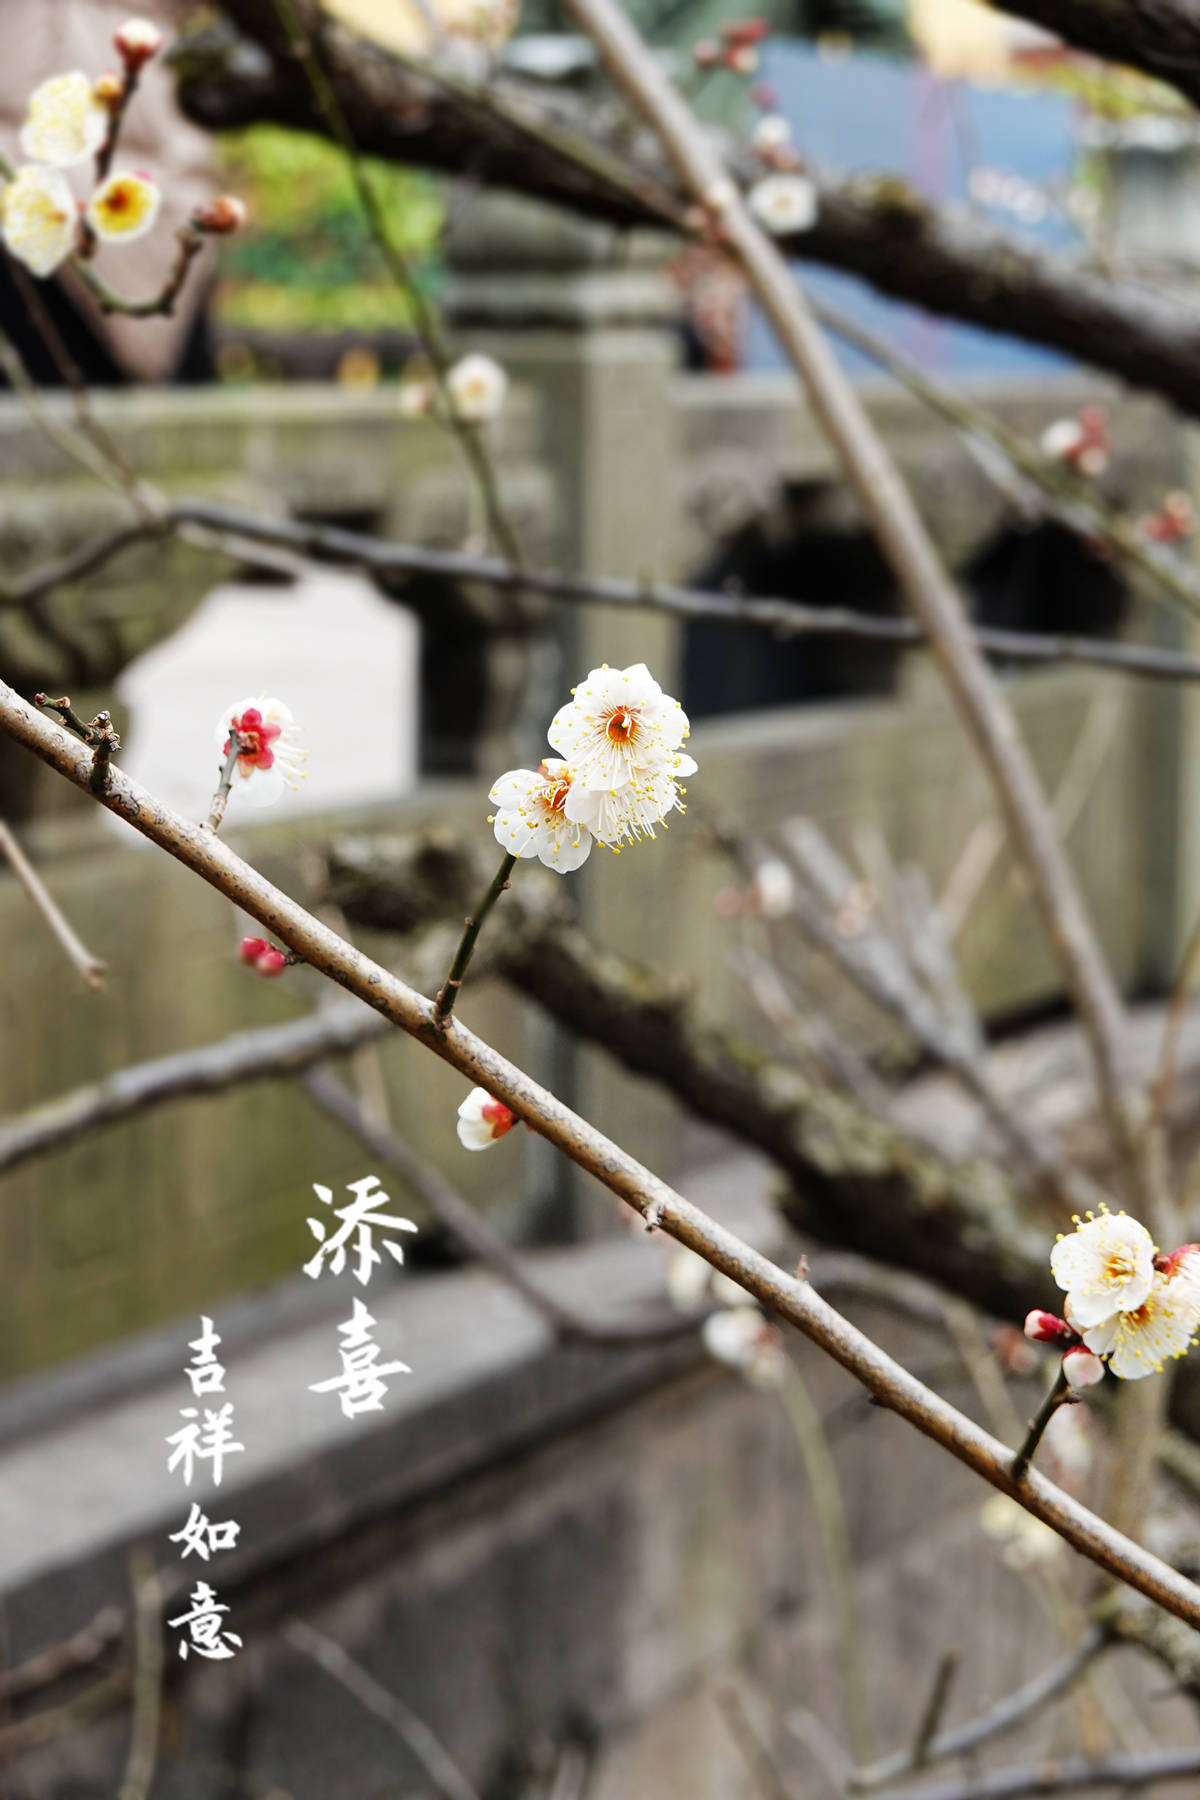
column 137, row 42
column 220, row 217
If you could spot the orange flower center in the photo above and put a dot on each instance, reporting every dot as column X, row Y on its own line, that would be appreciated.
column 1120, row 1265
column 620, row 726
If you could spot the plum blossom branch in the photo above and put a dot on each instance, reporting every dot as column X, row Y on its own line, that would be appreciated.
column 1058, row 1395
column 1063, row 1775
column 789, row 1296
column 448, row 992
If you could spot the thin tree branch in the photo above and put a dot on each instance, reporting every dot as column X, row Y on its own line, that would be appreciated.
column 1063, row 1775
column 90, row 968
column 790, row 1296
column 784, row 618
column 447, row 1778
column 558, row 148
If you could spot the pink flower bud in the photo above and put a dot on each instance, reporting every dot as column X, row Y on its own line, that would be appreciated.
column 1082, row 1369
column 137, row 41
column 271, row 962
column 220, row 217
column 1046, row 1327
column 745, row 31
column 250, row 949
column 706, row 53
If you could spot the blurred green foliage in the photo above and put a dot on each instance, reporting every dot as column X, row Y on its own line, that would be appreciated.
column 305, row 261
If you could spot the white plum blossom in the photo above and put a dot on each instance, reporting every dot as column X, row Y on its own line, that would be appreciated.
column 487, row 22
column 66, row 123
column 743, row 1340
column 270, row 760
column 123, row 208
column 618, row 727
column 624, row 815
column 39, row 218
column 784, row 203
column 1138, row 1340
column 770, row 134
column 532, row 819
column 1106, row 1266
column 483, row 1121
column 475, row 389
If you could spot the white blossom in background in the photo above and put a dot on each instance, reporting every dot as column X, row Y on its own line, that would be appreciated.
column 483, row 1121
column 1105, row 1266
column 693, row 1283
column 1026, row 1541
column 770, row 134
column 531, row 817
column 743, row 1340
column 414, row 399
column 66, row 123
column 486, row 22
column 39, row 218
column 618, row 727
column 123, row 208
column 773, row 890
column 476, row 388
column 272, row 760
column 784, row 203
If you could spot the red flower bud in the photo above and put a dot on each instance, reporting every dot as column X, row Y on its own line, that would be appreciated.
column 745, row 31
column 1046, row 1327
column 250, row 949
column 272, row 962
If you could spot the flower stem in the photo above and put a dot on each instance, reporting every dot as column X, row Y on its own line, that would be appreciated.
column 448, row 993
column 1050, row 1405
column 220, row 799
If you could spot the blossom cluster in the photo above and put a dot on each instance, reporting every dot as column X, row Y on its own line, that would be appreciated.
column 474, row 389
column 72, row 119
column 615, row 778
column 1128, row 1306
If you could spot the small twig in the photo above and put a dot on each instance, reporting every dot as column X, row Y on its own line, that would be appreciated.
column 446, row 1776
column 448, row 992
column 147, row 1677
column 157, row 305
column 78, row 1652
column 760, row 1762
column 1015, row 1709
column 935, row 1707
column 91, row 969
column 220, row 800
column 1063, row 1775
column 1057, row 1397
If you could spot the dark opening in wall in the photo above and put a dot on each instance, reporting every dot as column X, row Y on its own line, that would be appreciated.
column 1043, row 581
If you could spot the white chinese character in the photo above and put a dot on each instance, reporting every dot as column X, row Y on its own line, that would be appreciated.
column 204, row 1626
column 212, row 1441
column 359, row 1218
column 201, row 1535
column 361, row 1380
column 206, row 1374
